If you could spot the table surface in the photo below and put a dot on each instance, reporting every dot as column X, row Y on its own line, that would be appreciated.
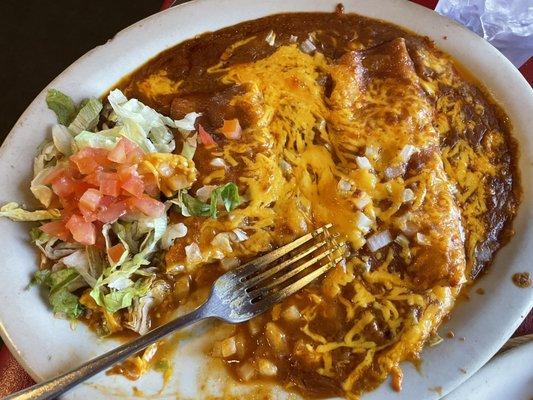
column 37, row 43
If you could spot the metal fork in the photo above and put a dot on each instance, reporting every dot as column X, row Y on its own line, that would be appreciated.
column 237, row 296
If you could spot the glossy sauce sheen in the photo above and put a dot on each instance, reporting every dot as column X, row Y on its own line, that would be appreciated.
column 184, row 84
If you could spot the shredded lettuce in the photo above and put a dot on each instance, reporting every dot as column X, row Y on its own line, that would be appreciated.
column 113, row 284
column 88, row 116
column 227, row 195
column 44, row 163
column 190, row 143
column 62, row 139
column 106, row 139
column 42, row 192
column 63, row 302
column 79, row 261
column 119, row 299
column 14, row 212
column 145, row 126
column 53, row 248
column 187, row 123
column 62, row 105
column 141, row 237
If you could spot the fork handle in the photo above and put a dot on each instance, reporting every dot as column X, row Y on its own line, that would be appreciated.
column 58, row 385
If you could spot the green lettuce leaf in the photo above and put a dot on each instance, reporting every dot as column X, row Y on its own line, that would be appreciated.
column 119, row 299
column 106, row 139
column 62, row 139
column 87, row 118
column 141, row 237
column 147, row 127
column 44, row 163
column 14, row 212
column 190, row 144
column 79, row 261
column 191, row 206
column 63, row 302
column 62, row 105
column 227, row 195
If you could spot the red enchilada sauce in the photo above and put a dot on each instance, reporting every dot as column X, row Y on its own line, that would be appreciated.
column 464, row 115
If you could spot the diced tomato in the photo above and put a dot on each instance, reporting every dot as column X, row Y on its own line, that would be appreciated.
column 56, row 229
column 100, row 240
column 56, row 173
column 112, row 212
column 84, row 162
column 80, row 187
column 93, row 178
column 134, row 186
column 90, row 199
column 82, row 231
column 118, row 153
column 63, row 186
column 88, row 215
column 89, row 159
column 125, row 152
column 150, row 185
column 106, row 201
column 124, row 172
column 109, row 184
column 116, row 252
column 206, row 139
column 147, row 205
column 231, row 129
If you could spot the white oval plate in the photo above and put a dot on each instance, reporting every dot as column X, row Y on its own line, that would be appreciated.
column 507, row 376
column 46, row 346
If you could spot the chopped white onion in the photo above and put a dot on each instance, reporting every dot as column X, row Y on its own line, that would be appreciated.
column 292, row 313
column 120, row 283
column 408, row 195
column 175, row 269
column 246, row 371
column 150, row 352
column 204, row 192
column 165, row 169
column 193, row 253
column 285, row 166
column 407, row 151
column 363, row 163
column 402, row 240
column 363, row 222
column 173, row 232
column 238, row 235
column 409, row 229
column 266, row 367
column 228, row 347
column 221, row 242
column 394, row 172
column 372, row 152
column 271, row 38
column 344, row 186
column 308, row 46
column 422, row 239
column 293, row 39
column 379, row 240
column 230, row 263
column 362, row 200
column 218, row 162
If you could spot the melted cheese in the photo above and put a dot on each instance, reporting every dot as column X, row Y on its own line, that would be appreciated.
column 320, row 138
column 305, row 141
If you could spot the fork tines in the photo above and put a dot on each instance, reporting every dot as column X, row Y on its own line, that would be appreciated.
column 282, row 272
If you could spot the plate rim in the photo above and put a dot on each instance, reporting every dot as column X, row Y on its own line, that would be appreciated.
column 133, row 29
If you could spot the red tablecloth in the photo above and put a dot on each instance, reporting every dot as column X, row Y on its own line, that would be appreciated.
column 12, row 375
